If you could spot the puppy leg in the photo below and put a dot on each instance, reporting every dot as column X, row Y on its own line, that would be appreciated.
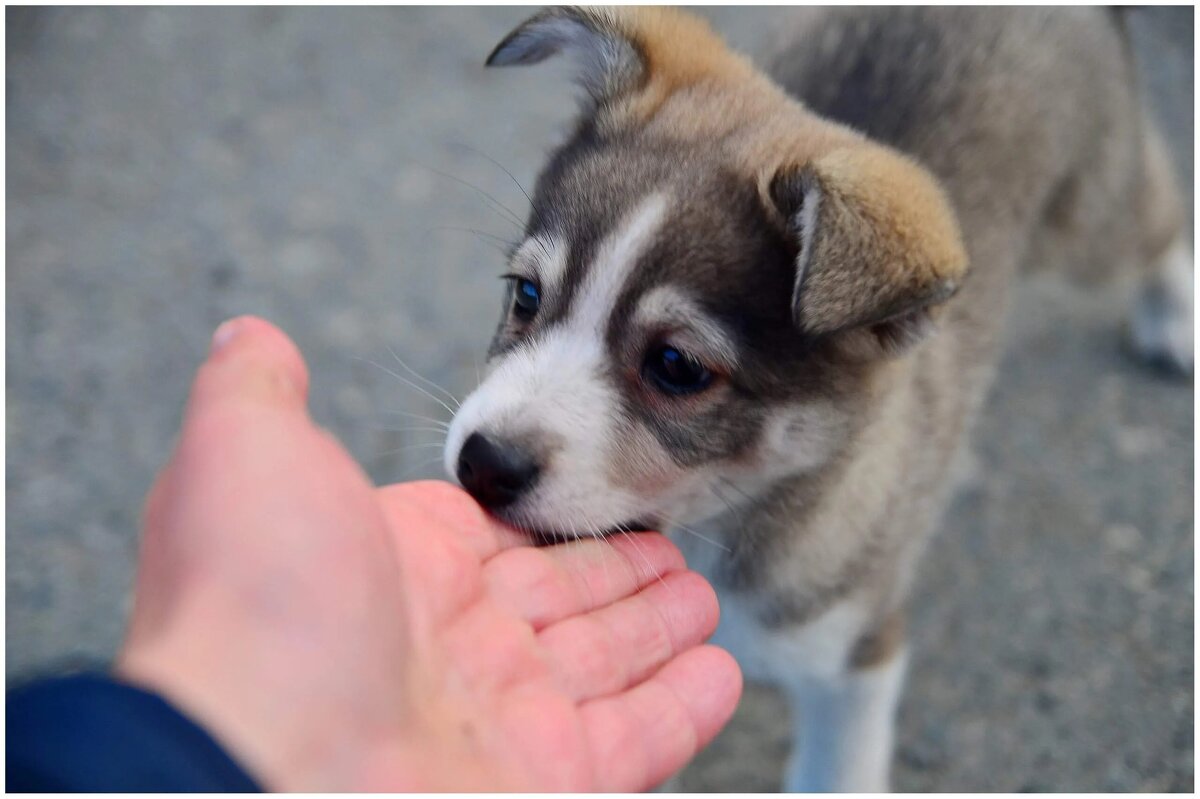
column 844, row 730
column 843, row 724
column 1163, row 315
column 1163, row 320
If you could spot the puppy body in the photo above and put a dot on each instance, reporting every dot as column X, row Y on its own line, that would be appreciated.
column 754, row 318
column 1031, row 122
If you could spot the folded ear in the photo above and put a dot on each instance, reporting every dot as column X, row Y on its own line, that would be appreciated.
column 878, row 248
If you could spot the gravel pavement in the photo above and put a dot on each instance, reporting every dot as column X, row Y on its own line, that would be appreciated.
column 170, row 168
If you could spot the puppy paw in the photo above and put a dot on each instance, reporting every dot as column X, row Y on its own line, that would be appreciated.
column 1162, row 324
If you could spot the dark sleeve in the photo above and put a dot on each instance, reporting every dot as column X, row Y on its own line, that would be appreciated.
column 90, row 733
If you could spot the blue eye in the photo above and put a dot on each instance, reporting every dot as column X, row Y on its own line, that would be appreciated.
column 526, row 299
column 674, row 372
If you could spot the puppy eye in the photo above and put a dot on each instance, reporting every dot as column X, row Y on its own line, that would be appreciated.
column 526, row 299
column 673, row 371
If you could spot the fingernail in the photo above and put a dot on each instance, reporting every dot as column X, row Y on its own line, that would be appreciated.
column 223, row 335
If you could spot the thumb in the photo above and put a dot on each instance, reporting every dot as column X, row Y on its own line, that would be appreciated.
column 251, row 361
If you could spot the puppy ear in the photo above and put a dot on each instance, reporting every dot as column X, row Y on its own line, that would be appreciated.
column 629, row 59
column 878, row 249
column 608, row 61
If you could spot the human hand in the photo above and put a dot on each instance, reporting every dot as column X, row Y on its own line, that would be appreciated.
column 335, row 636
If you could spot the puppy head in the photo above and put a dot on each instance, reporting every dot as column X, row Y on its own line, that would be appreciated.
column 710, row 281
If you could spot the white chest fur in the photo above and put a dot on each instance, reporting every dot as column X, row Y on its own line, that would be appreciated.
column 842, row 719
column 819, row 649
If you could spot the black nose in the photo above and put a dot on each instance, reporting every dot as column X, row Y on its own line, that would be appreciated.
column 494, row 472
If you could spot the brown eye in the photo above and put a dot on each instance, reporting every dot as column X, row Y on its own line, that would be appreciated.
column 675, row 372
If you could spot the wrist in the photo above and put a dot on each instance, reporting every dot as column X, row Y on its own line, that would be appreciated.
column 259, row 731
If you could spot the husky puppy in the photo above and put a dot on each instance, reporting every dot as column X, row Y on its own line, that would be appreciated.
column 763, row 307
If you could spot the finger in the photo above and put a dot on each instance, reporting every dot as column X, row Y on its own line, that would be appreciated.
column 251, row 361
column 488, row 650
column 640, row 737
column 547, row 584
column 154, row 506
column 610, row 649
column 451, row 508
column 442, row 537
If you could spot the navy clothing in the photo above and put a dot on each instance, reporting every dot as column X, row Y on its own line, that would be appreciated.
column 90, row 733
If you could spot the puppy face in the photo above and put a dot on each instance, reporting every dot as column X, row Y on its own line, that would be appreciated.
column 646, row 346
column 676, row 317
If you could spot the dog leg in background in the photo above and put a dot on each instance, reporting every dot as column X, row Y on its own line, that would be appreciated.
column 1163, row 318
column 843, row 721
column 1164, row 314
column 843, row 731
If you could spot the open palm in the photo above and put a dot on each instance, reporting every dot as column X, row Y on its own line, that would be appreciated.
column 339, row 636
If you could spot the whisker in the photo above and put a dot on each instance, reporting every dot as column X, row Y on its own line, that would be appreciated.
column 735, row 487
column 411, row 447
column 445, row 425
column 409, row 471
column 408, row 383
column 738, row 515
column 441, row 430
column 499, row 244
column 701, row 536
column 623, row 530
column 724, row 501
column 599, row 536
column 500, row 239
column 498, row 206
column 424, row 379
column 504, row 169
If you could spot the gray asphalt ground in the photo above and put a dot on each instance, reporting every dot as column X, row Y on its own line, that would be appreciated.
column 170, row 168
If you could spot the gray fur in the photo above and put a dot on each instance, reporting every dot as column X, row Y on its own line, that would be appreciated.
column 1030, row 122
column 606, row 63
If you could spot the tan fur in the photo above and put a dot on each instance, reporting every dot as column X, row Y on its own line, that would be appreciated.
column 905, row 208
column 680, row 52
column 695, row 87
column 881, row 644
column 679, row 48
column 884, row 211
column 1160, row 212
column 1016, row 139
column 886, row 234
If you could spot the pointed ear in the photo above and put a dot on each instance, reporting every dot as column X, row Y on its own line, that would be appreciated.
column 879, row 248
column 638, row 54
column 608, row 61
